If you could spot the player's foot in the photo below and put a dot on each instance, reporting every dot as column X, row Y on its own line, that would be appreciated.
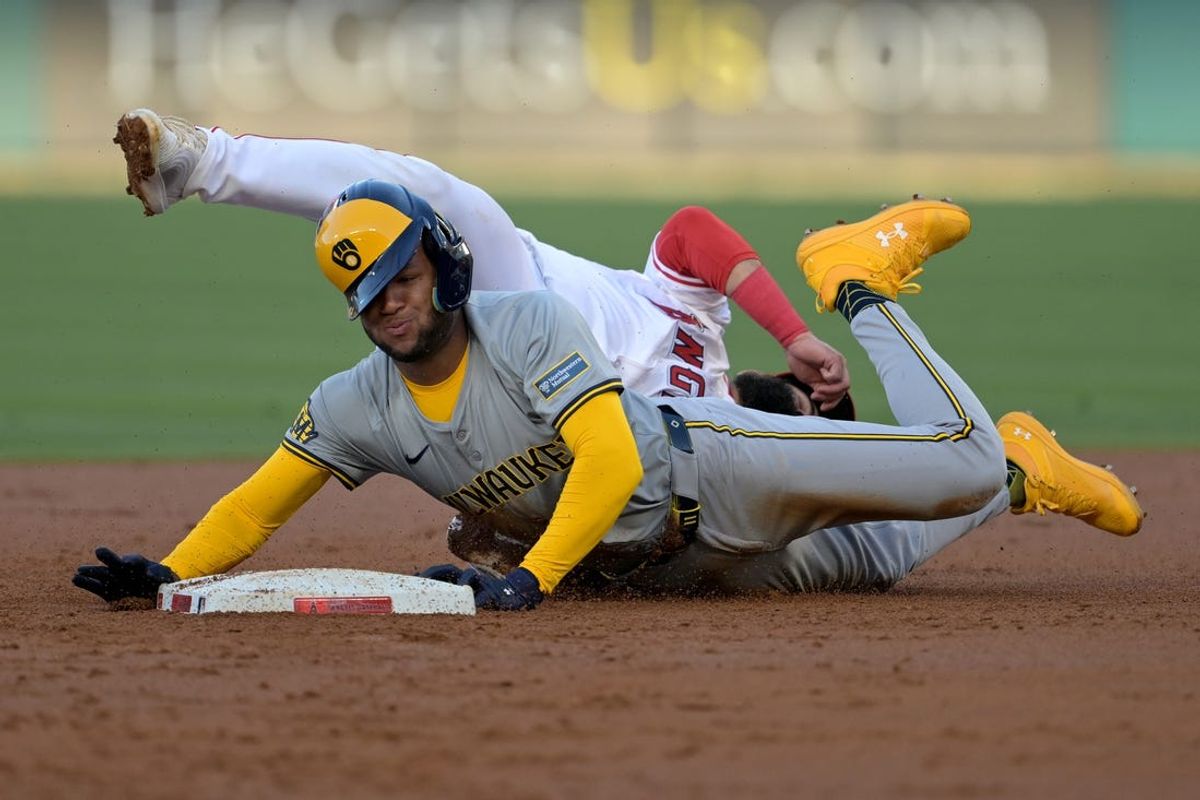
column 885, row 251
column 1057, row 481
column 160, row 155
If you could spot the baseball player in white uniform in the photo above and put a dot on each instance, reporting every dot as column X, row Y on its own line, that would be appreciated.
column 504, row 406
column 663, row 328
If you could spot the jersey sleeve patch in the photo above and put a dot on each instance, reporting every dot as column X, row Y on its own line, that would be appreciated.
column 562, row 375
column 304, row 429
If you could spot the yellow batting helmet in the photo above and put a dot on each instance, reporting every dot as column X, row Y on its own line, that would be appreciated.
column 371, row 231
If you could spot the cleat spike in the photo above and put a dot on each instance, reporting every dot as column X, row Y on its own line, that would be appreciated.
column 1133, row 490
column 918, row 196
column 808, row 231
column 1108, row 467
column 947, row 199
column 840, row 222
column 883, row 206
column 1054, row 433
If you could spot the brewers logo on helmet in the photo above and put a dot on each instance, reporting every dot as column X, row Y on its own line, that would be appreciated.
column 371, row 231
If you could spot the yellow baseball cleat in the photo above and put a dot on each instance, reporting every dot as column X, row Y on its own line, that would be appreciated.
column 1057, row 481
column 884, row 251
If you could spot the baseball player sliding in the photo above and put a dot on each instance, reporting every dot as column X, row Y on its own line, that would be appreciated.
column 503, row 405
column 663, row 328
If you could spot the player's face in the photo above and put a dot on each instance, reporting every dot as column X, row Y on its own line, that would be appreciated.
column 402, row 321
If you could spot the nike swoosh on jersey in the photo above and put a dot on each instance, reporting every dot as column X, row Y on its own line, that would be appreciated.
column 415, row 458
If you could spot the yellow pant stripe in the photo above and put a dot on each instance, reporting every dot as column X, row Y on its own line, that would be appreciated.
column 862, row 437
column 962, row 433
column 968, row 423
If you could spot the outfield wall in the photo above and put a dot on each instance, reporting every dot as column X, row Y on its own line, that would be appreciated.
column 780, row 97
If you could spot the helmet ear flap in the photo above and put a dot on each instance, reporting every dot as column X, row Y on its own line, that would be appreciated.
column 454, row 264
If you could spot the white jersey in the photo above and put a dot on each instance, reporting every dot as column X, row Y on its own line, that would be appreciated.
column 665, row 337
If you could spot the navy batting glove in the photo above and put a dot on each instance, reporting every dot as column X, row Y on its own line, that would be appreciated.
column 122, row 576
column 447, row 573
column 516, row 591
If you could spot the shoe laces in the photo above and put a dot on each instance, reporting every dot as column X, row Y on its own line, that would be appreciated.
column 901, row 285
column 1048, row 496
column 180, row 138
column 908, row 257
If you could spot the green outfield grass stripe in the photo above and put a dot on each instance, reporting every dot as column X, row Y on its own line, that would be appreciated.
column 199, row 333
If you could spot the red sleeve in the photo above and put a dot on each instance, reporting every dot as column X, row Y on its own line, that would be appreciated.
column 760, row 297
column 697, row 247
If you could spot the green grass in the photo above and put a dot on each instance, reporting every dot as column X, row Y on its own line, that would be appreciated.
column 201, row 332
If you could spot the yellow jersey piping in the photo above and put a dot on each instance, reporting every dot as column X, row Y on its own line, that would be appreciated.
column 607, row 386
column 304, row 455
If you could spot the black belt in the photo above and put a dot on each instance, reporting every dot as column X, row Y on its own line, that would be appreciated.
column 685, row 474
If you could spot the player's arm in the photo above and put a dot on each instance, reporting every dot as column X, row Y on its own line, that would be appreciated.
column 232, row 530
column 697, row 245
column 502, row 262
column 301, row 177
column 242, row 521
column 571, row 385
column 606, row 471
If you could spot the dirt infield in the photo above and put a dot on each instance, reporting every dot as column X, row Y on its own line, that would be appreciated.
column 1036, row 657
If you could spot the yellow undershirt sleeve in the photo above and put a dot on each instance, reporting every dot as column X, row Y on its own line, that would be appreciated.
column 607, row 469
column 243, row 520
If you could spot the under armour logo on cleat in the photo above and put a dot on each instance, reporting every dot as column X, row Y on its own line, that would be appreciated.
column 1022, row 433
column 884, row 237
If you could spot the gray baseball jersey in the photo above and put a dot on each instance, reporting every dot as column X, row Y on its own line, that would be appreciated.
column 762, row 479
column 531, row 363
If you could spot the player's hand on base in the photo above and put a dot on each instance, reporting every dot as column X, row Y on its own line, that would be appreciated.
column 122, row 576
column 516, row 591
column 821, row 367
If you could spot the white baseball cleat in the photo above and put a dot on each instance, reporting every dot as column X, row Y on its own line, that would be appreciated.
column 160, row 155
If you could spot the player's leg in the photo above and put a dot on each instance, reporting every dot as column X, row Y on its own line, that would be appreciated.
column 862, row 557
column 170, row 159
column 1043, row 477
column 851, row 266
column 636, row 322
column 768, row 479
